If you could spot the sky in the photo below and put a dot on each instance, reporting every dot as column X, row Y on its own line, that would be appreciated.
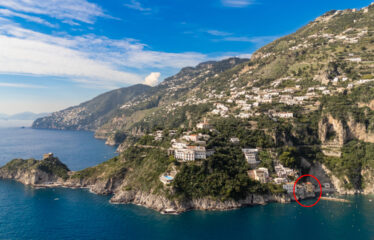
column 59, row 53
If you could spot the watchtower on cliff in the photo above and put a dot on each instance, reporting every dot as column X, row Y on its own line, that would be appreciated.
column 47, row 156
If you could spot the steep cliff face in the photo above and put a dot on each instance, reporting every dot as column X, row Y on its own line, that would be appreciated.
column 30, row 177
column 33, row 172
column 338, row 184
column 368, row 178
column 359, row 131
column 334, row 133
column 162, row 204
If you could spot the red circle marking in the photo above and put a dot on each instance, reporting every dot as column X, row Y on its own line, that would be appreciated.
column 320, row 192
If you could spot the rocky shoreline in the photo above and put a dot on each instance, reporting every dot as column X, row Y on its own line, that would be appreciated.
column 39, row 179
column 51, row 173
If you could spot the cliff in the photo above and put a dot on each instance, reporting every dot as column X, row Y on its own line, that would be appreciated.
column 164, row 205
column 34, row 172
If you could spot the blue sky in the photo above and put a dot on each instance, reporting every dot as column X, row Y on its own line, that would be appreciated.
column 58, row 53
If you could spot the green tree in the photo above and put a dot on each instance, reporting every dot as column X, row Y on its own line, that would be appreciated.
column 289, row 158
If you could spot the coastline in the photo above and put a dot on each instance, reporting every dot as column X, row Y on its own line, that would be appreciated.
column 160, row 203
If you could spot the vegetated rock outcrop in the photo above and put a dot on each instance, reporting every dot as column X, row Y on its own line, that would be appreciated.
column 34, row 172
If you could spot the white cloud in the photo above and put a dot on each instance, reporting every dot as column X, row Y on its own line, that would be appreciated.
column 234, row 54
column 237, row 3
column 68, row 10
column 9, row 13
column 137, row 6
column 245, row 55
column 29, row 56
column 20, row 85
column 218, row 33
column 261, row 40
column 152, row 79
column 90, row 60
column 238, row 39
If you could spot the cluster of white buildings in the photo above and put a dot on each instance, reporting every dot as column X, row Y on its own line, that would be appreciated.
column 190, row 147
column 284, row 172
column 282, row 176
column 290, row 100
column 221, row 110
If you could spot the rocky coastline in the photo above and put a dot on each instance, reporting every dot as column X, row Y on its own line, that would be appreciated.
column 116, row 187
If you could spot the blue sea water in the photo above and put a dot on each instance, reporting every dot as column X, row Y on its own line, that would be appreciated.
column 27, row 213
column 77, row 149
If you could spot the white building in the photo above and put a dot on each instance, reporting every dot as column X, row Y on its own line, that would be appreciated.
column 192, row 137
column 357, row 59
column 245, row 115
column 280, row 180
column 159, row 135
column 283, row 172
column 192, row 153
column 203, row 125
column 251, row 155
column 234, row 140
column 283, row 115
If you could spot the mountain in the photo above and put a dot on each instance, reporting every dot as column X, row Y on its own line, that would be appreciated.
column 305, row 101
column 122, row 109
column 92, row 114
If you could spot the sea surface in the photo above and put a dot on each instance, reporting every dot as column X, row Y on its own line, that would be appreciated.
column 27, row 213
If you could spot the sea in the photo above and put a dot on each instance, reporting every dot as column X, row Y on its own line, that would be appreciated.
column 28, row 213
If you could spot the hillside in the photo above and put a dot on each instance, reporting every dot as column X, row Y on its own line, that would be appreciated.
column 91, row 114
column 229, row 129
column 125, row 108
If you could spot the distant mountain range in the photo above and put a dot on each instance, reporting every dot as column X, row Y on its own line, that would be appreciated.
column 22, row 116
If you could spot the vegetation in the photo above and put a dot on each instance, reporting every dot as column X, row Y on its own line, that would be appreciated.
column 51, row 166
column 114, row 167
column 233, row 127
column 289, row 158
column 356, row 155
column 222, row 176
column 120, row 136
